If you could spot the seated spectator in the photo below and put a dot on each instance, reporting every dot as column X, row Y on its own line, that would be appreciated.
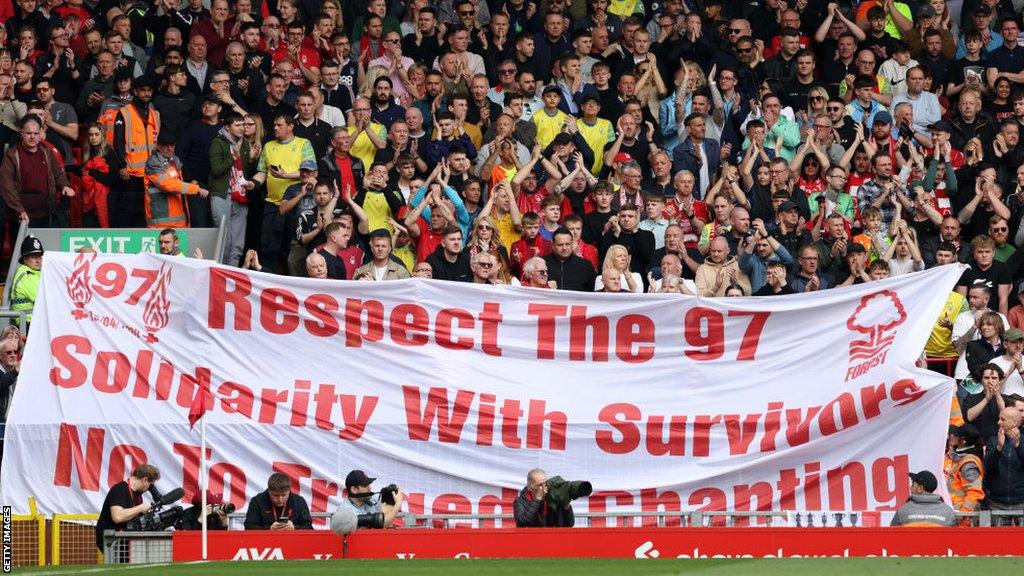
column 924, row 507
column 617, row 264
column 278, row 508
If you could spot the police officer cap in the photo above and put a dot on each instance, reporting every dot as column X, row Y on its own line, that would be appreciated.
column 30, row 246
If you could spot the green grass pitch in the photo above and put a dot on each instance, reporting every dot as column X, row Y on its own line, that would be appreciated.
column 561, row 567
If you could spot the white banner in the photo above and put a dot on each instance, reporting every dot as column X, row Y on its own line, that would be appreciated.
column 452, row 391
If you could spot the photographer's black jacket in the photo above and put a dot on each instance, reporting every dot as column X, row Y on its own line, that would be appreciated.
column 532, row 513
column 262, row 514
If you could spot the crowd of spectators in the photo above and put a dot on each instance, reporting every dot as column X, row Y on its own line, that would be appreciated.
column 710, row 147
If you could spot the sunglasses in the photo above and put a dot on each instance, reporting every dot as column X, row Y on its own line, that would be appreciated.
column 466, row 13
column 735, row 31
column 817, row 98
column 744, row 50
column 835, row 109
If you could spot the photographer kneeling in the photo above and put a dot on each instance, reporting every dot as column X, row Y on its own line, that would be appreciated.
column 124, row 501
column 216, row 513
column 374, row 510
column 547, row 503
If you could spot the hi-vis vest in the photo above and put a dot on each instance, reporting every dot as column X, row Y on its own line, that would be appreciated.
column 964, row 482
column 165, row 193
column 139, row 138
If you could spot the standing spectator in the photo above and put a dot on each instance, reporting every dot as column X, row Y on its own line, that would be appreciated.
column 175, row 104
column 1004, row 468
column 194, row 151
column 903, row 254
column 719, row 271
column 59, row 65
column 32, row 180
column 986, row 271
column 383, row 266
column 569, row 271
column 60, row 120
column 278, row 167
column 449, row 261
column 231, row 167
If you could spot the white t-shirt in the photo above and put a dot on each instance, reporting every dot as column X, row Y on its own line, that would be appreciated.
column 1014, row 382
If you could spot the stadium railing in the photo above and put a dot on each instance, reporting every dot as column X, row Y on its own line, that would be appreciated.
column 28, row 537
column 73, row 539
column 73, row 542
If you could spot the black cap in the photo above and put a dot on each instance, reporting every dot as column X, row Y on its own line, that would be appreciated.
column 968, row 433
column 590, row 96
column 144, row 81
column 211, row 99
column 122, row 74
column 166, row 137
column 30, row 246
column 926, row 479
column 788, row 205
column 357, row 478
column 855, row 247
column 551, row 88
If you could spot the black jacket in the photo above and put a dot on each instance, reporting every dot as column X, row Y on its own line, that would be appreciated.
column 444, row 270
column 532, row 513
column 261, row 514
column 575, row 273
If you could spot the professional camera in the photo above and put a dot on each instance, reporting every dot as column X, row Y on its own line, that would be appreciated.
column 387, row 494
column 157, row 518
column 226, row 508
column 561, row 492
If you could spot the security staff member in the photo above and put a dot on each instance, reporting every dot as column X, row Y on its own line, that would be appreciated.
column 166, row 189
column 964, row 470
column 124, row 501
column 135, row 138
column 924, row 508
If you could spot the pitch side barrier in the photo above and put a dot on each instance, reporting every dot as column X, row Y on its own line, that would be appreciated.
column 210, row 241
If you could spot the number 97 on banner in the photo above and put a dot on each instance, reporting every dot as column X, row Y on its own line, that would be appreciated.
column 704, row 330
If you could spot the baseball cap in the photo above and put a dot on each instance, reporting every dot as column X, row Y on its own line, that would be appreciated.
column 589, row 98
column 882, row 117
column 1013, row 335
column 855, row 247
column 941, row 126
column 926, row 479
column 357, row 478
column 144, row 81
column 787, row 205
column 926, row 11
column 551, row 88
column 309, row 165
column 967, row 432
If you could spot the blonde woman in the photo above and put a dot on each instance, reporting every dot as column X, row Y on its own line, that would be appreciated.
column 253, row 133
column 617, row 261
column 97, row 178
column 367, row 78
column 333, row 9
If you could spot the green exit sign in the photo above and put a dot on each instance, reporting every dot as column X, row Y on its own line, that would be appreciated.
column 113, row 241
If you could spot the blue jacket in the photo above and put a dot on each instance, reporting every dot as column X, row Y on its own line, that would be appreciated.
column 1004, row 472
column 755, row 267
column 683, row 158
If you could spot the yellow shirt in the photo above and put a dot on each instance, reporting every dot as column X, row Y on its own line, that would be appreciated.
column 287, row 157
column 407, row 254
column 596, row 136
column 548, row 126
column 362, row 146
column 625, row 8
column 939, row 343
column 502, row 174
column 507, row 233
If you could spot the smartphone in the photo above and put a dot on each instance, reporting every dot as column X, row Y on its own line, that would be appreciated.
column 275, row 167
column 282, row 520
